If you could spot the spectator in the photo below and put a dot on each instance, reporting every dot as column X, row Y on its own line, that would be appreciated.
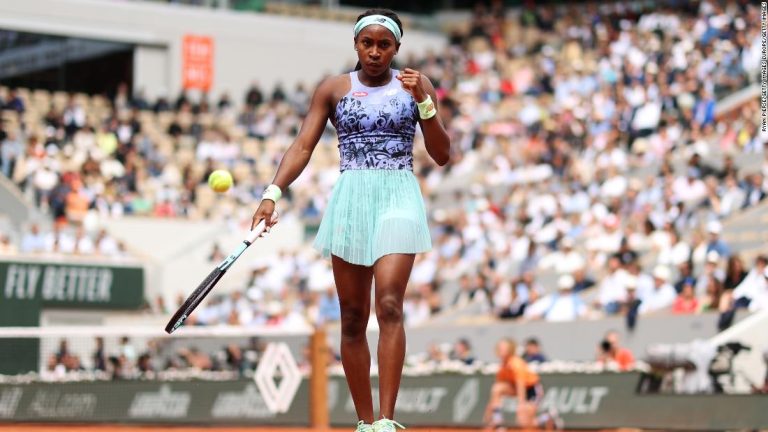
column 686, row 302
column 711, row 273
column 127, row 350
column 106, row 245
column 612, row 292
column 462, row 351
column 330, row 310
column 83, row 243
column 565, row 261
column 435, row 354
column 732, row 199
column 752, row 284
column 760, row 300
column 715, row 244
column 472, row 289
column 612, row 355
column 11, row 151
column 99, row 356
column 144, row 364
column 661, row 296
column 254, row 97
column 33, row 241
column 532, row 352
column 582, row 281
column 753, row 191
column 631, row 306
column 13, row 102
column 416, row 308
column 77, row 202
column 6, row 246
column 734, row 273
column 565, row 305
column 685, row 274
column 713, row 299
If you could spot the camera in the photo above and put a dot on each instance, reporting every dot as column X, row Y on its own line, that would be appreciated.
column 606, row 346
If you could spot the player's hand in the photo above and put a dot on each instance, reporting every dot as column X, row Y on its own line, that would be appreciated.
column 412, row 83
column 267, row 212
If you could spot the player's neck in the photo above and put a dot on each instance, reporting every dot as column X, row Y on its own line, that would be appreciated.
column 374, row 80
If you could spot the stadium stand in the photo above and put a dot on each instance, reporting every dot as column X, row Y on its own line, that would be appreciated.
column 587, row 135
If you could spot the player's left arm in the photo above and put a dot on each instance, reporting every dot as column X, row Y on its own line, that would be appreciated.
column 435, row 137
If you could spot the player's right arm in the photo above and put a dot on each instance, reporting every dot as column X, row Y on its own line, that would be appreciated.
column 298, row 154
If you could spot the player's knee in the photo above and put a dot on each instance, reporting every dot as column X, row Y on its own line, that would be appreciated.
column 389, row 311
column 354, row 321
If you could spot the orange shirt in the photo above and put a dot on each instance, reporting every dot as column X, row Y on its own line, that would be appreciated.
column 76, row 206
column 624, row 359
column 685, row 306
column 517, row 367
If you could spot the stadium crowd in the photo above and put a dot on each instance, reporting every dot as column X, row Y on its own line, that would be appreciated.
column 588, row 136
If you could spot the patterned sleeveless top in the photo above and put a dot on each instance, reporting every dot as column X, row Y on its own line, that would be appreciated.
column 376, row 126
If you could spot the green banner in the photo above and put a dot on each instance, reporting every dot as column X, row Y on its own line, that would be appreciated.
column 602, row 400
column 189, row 402
column 67, row 285
column 584, row 400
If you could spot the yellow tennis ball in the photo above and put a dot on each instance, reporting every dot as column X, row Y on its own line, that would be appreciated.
column 220, row 180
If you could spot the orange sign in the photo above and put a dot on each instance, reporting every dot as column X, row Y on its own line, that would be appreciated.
column 197, row 62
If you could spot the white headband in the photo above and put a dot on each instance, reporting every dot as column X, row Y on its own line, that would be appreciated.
column 381, row 20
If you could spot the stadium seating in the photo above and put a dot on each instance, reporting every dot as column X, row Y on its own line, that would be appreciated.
column 555, row 130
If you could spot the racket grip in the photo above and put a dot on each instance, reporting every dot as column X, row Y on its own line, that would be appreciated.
column 255, row 232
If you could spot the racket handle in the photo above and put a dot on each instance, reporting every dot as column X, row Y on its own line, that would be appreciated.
column 255, row 232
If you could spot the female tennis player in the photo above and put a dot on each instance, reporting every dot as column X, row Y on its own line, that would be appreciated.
column 375, row 221
column 516, row 379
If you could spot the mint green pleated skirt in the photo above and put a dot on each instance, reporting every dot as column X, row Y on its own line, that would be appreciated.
column 372, row 213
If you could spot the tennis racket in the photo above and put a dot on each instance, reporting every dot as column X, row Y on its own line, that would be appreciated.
column 211, row 280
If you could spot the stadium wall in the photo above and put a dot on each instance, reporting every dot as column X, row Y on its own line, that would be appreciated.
column 247, row 46
column 572, row 341
column 12, row 204
column 584, row 400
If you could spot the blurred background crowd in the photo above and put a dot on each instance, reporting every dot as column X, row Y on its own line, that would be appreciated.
column 600, row 174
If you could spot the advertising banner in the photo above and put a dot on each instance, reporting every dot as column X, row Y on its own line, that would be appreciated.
column 197, row 62
column 583, row 400
column 199, row 402
column 30, row 285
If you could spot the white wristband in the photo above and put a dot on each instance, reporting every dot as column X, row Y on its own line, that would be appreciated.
column 272, row 192
column 427, row 108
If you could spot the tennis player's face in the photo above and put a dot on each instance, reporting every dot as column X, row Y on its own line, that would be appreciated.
column 375, row 47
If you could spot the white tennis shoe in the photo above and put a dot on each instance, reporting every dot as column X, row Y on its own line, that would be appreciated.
column 363, row 427
column 386, row 425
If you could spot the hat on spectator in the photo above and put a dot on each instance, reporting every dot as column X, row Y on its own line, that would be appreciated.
column 567, row 242
column 713, row 257
column 611, row 221
column 565, row 282
column 630, row 282
column 260, row 263
column 714, row 227
column 274, row 308
column 640, row 146
column 661, row 272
